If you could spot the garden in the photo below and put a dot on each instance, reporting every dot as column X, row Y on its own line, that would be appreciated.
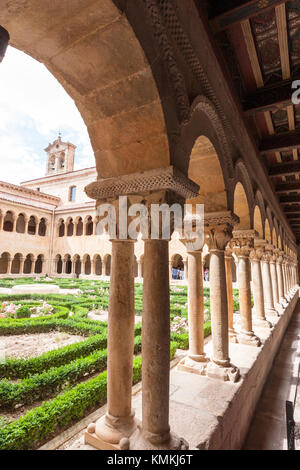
column 53, row 355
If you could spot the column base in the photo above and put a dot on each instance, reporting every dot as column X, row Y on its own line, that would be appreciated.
column 232, row 336
column 226, row 373
column 271, row 312
column 249, row 338
column 147, row 441
column 283, row 302
column 262, row 322
column 279, row 309
column 194, row 364
column 110, row 433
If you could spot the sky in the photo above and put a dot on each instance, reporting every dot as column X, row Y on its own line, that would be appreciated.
column 34, row 108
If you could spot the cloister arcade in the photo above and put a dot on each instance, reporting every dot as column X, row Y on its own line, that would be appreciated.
column 166, row 126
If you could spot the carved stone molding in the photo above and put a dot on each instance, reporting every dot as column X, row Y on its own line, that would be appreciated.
column 242, row 242
column 218, row 227
column 169, row 178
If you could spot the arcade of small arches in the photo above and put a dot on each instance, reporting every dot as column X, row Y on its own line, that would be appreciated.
column 23, row 223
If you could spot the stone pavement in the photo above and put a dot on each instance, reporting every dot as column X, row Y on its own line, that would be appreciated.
column 268, row 428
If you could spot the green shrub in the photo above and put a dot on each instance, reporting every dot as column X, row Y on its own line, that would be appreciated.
column 23, row 312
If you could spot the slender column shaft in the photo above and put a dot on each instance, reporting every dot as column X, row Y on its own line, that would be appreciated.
column 103, row 268
column 229, row 289
column 258, row 291
column 280, row 280
column 186, row 269
column 32, row 266
column 156, row 341
column 219, row 308
column 273, row 273
column 170, row 270
column 196, row 306
column 120, row 329
column 22, row 265
column 9, row 263
column 140, row 269
column 267, row 287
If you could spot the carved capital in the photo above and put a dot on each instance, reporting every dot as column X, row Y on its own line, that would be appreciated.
column 168, row 179
column 218, row 227
column 242, row 242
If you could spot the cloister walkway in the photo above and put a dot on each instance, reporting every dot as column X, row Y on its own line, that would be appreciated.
column 268, row 428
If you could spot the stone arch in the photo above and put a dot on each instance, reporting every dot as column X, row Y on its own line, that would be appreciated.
column 258, row 222
column 77, row 264
column 16, row 264
column 21, row 223
column 28, row 262
column 68, row 261
column 32, row 225
column 242, row 208
column 112, row 89
column 177, row 266
column 70, row 227
column 38, row 269
column 61, row 229
column 42, row 227
column 87, row 264
column 107, row 263
column 8, row 222
column 268, row 236
column 79, row 226
column 4, row 260
column 59, row 264
column 242, row 177
column 204, row 138
column 97, row 265
column 89, row 225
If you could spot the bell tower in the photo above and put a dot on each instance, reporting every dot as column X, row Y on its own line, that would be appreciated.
column 60, row 157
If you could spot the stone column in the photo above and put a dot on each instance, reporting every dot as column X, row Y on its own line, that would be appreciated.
column 257, row 283
column 273, row 271
column 218, row 228
column 279, row 262
column 186, row 269
column 285, row 277
column 14, row 224
column 22, row 261
column 64, row 266
column 228, row 271
column 196, row 359
column 267, row 282
column 140, row 268
column 103, row 268
column 9, row 263
column 242, row 244
column 113, row 430
column 32, row 265
column 154, row 433
column 1, row 222
column 170, row 271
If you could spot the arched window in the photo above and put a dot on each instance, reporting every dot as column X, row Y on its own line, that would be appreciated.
column 39, row 265
column 89, row 226
column 68, row 264
column 28, row 264
column 98, row 265
column 70, row 228
column 79, row 227
column 61, row 229
column 59, row 265
column 87, row 265
column 72, row 194
column 21, row 224
column 107, row 265
column 16, row 264
column 8, row 223
column 5, row 257
column 42, row 228
column 32, row 226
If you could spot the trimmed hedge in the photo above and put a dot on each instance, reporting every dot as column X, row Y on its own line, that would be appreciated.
column 40, row 424
column 51, row 382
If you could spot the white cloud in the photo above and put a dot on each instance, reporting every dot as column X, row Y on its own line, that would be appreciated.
column 33, row 108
